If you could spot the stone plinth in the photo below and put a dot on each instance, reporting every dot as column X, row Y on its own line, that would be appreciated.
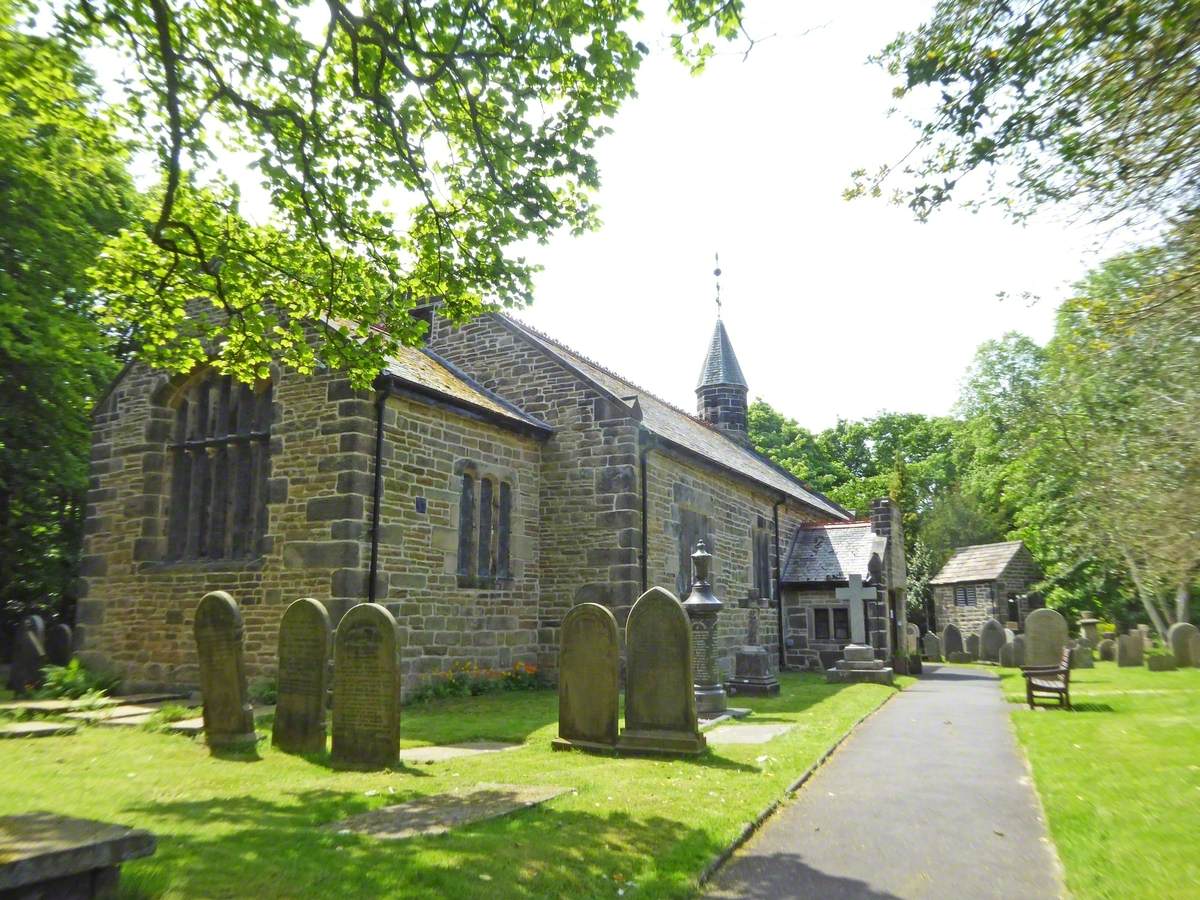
column 752, row 674
column 858, row 664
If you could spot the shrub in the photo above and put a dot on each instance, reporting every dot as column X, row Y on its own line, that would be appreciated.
column 264, row 691
column 165, row 715
column 465, row 679
column 74, row 681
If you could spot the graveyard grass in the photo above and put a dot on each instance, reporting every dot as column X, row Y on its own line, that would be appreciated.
column 250, row 826
column 1119, row 778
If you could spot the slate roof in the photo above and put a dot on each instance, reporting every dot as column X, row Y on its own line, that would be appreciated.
column 686, row 431
column 979, row 562
column 820, row 553
column 720, row 365
column 432, row 375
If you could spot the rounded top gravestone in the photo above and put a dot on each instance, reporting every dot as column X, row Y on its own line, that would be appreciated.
column 1179, row 636
column 1018, row 651
column 588, row 664
column 228, row 715
column 59, row 644
column 1045, row 637
column 952, row 641
column 366, row 688
column 973, row 646
column 303, row 666
column 658, row 678
column 932, row 646
column 991, row 639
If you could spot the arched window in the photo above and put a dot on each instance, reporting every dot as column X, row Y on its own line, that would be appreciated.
column 220, row 461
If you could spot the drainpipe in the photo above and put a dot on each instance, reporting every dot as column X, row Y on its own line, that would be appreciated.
column 385, row 390
column 643, row 452
column 778, row 586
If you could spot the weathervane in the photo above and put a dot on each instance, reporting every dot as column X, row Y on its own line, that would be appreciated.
column 717, row 276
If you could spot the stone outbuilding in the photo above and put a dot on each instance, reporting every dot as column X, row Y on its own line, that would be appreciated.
column 986, row 581
column 486, row 483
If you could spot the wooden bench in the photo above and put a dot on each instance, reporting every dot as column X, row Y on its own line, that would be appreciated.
column 1049, row 681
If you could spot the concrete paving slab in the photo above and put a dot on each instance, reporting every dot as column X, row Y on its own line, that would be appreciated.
column 112, row 712
column 439, row 813
column 56, row 706
column 36, row 729
column 930, row 798
column 442, row 752
column 745, row 734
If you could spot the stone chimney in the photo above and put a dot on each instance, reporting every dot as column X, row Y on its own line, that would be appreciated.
column 887, row 522
column 721, row 391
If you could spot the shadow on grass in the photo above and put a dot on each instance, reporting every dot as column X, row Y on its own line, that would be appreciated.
column 249, row 846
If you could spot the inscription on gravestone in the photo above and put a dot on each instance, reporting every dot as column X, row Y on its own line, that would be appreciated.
column 366, row 688
column 588, row 663
column 228, row 715
column 303, row 666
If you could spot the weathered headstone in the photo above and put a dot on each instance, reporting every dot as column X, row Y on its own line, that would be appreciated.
column 973, row 646
column 1108, row 650
column 952, row 641
column 1006, row 656
column 366, row 688
column 1045, row 637
column 1130, row 651
column 304, row 634
column 228, row 714
column 932, row 647
column 1018, row 650
column 1179, row 636
column 58, row 644
column 991, row 639
column 1009, row 634
column 1081, row 654
column 1195, row 649
column 29, row 656
column 752, row 673
column 660, row 705
column 588, row 690
column 1089, row 627
column 1161, row 662
column 914, row 637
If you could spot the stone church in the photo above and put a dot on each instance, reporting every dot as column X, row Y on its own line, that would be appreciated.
column 490, row 480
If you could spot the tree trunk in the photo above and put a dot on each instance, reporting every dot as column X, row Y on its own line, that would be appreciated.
column 1149, row 600
column 1183, row 598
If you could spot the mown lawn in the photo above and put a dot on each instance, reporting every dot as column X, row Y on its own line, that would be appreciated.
column 1120, row 779
column 250, row 827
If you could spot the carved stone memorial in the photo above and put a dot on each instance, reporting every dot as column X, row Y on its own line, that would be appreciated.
column 932, row 647
column 228, row 715
column 58, row 644
column 952, row 641
column 1045, row 637
column 588, row 669
column 660, row 703
column 303, row 669
column 752, row 673
column 366, row 688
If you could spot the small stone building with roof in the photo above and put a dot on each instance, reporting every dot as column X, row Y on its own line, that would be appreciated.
column 486, row 483
column 986, row 581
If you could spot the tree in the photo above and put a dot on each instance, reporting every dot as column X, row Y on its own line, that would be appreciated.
column 407, row 148
column 62, row 192
column 1090, row 101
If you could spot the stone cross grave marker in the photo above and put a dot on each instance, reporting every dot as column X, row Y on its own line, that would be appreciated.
column 29, row 655
column 932, row 647
column 366, row 688
column 854, row 594
column 1045, row 637
column 588, row 690
column 952, row 641
column 304, row 634
column 1179, row 636
column 58, row 644
column 228, row 714
column 660, row 704
column 991, row 639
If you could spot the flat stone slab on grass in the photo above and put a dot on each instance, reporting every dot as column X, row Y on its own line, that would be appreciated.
column 439, row 813
column 156, row 697
column 441, row 752
column 730, row 712
column 56, row 706
column 746, row 734
column 32, row 730
column 113, row 712
column 196, row 725
column 45, row 855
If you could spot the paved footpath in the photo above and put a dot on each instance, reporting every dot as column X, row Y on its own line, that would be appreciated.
column 929, row 798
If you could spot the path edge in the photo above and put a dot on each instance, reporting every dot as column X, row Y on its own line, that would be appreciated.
column 788, row 793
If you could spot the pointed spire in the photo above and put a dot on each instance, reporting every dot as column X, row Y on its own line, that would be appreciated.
column 720, row 365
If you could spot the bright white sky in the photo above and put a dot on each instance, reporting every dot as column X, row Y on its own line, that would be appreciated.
column 835, row 308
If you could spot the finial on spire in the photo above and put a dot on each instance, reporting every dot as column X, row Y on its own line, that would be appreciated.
column 717, row 276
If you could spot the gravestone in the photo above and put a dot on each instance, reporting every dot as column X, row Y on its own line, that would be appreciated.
column 1147, row 641
column 858, row 662
column 854, row 595
column 1195, row 649
column 1081, row 654
column 228, row 715
column 1108, row 650
column 366, row 688
column 660, row 704
column 43, row 855
column 752, row 672
column 29, row 656
column 1089, row 627
column 1179, row 637
column 1009, row 634
column 952, row 641
column 703, row 608
column 932, row 647
column 991, row 639
column 914, row 638
column 1045, row 637
column 1161, row 662
column 1007, row 657
column 58, row 644
column 303, row 666
column 1018, row 651
column 588, row 664
column 1130, row 651
column 973, row 646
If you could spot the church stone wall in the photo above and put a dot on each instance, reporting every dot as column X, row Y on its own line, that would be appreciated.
column 136, row 608
column 447, row 620
column 589, row 515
